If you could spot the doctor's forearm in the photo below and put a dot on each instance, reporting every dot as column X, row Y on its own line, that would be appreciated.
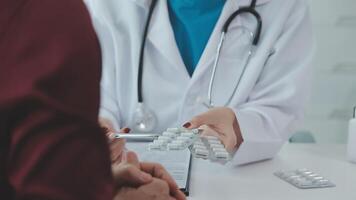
column 261, row 138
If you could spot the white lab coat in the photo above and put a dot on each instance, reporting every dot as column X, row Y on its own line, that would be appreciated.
column 269, row 100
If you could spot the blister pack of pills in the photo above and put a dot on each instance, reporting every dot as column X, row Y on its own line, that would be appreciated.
column 205, row 147
column 304, row 179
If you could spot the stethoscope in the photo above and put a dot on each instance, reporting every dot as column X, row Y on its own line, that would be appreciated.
column 144, row 119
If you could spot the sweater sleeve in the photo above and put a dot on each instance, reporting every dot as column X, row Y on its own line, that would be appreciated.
column 52, row 147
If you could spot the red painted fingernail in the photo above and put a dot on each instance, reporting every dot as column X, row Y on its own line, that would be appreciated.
column 127, row 130
column 187, row 125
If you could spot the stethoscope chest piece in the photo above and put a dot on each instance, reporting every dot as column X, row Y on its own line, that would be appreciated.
column 144, row 119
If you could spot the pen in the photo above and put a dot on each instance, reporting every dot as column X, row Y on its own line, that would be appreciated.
column 147, row 137
column 144, row 137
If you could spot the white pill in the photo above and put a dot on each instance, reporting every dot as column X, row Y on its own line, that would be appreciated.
column 180, row 142
column 312, row 175
column 195, row 131
column 285, row 175
column 305, row 183
column 302, row 170
column 160, row 142
column 169, row 134
column 174, row 146
column 187, row 134
column 208, row 137
column 198, row 142
column 324, row 182
column 307, row 173
column 219, row 149
column 216, row 146
column 296, row 181
column 195, row 146
column 182, row 130
column 214, row 142
column 318, row 178
column 184, row 138
column 173, row 130
column 166, row 138
column 221, row 154
column 154, row 146
column 201, row 152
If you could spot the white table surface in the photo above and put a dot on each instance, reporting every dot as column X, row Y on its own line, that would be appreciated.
column 211, row 181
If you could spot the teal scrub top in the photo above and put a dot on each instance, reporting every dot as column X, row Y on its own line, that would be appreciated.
column 193, row 22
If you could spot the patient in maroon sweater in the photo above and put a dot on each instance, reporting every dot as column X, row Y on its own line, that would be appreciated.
column 50, row 144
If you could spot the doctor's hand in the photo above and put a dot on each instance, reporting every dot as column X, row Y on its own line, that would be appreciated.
column 220, row 122
column 141, row 180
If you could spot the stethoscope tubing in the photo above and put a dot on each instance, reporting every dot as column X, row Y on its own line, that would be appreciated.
column 213, row 74
column 251, row 10
column 142, row 52
column 256, row 36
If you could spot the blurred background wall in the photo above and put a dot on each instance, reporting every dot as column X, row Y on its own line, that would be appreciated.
column 334, row 79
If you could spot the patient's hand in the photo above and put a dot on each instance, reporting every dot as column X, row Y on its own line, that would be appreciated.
column 141, row 180
column 117, row 146
column 106, row 124
column 157, row 189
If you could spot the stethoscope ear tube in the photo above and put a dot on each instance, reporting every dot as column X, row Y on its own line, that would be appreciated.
column 144, row 120
column 249, row 10
column 142, row 52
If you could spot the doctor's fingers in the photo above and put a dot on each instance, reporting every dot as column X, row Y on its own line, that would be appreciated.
column 126, row 174
column 205, row 130
column 230, row 142
column 227, row 137
column 158, row 171
column 214, row 117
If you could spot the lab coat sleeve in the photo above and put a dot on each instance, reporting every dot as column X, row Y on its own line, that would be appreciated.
column 276, row 103
column 109, row 108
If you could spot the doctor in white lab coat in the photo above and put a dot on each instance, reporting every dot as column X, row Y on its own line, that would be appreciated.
column 269, row 100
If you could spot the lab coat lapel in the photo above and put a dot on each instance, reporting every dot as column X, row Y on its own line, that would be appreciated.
column 142, row 3
column 209, row 53
column 241, row 2
column 248, row 2
column 162, row 37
